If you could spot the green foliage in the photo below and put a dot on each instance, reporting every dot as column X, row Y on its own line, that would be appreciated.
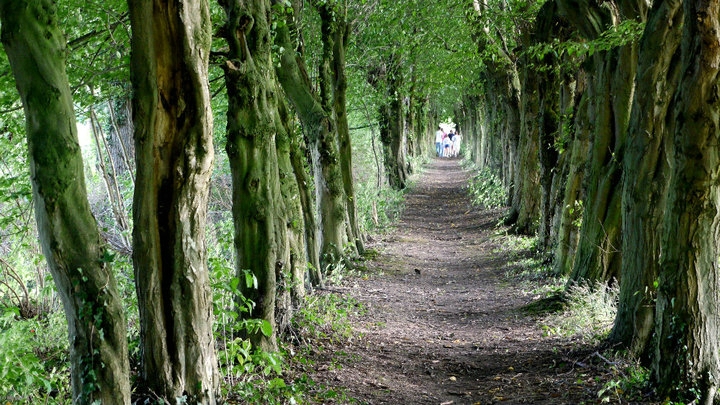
column 589, row 313
column 250, row 375
column 378, row 209
column 486, row 189
column 33, row 360
column 629, row 382
column 325, row 318
column 576, row 50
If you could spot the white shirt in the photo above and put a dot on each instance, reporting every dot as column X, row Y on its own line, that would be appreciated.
column 439, row 136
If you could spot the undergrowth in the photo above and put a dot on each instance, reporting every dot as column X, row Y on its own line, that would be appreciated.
column 485, row 187
column 582, row 314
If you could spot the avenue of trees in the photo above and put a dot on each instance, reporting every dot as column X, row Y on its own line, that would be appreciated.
column 120, row 111
column 249, row 146
column 612, row 108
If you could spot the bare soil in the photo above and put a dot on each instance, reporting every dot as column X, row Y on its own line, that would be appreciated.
column 444, row 324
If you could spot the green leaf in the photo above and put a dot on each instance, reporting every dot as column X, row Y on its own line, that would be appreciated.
column 277, row 383
column 250, row 280
column 234, row 283
column 266, row 328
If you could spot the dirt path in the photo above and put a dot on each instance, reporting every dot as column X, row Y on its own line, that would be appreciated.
column 444, row 326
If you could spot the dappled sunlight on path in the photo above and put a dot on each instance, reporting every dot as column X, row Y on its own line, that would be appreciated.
column 444, row 326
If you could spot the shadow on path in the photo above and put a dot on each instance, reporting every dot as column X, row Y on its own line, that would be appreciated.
column 455, row 332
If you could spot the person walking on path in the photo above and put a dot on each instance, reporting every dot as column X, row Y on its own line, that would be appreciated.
column 439, row 135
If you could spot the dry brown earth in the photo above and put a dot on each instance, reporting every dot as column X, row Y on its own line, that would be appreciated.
column 444, row 324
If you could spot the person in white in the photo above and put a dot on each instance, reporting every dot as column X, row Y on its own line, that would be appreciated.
column 439, row 135
column 456, row 145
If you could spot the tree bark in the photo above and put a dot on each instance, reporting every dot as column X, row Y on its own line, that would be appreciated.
column 268, row 232
column 321, row 130
column 687, row 352
column 391, row 122
column 647, row 176
column 69, row 235
column 173, row 142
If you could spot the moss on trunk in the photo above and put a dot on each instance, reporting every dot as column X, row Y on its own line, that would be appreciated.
column 71, row 243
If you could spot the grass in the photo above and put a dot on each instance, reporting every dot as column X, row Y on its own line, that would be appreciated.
column 582, row 314
column 589, row 312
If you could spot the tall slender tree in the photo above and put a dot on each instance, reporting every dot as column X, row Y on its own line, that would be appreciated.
column 173, row 143
column 318, row 119
column 75, row 253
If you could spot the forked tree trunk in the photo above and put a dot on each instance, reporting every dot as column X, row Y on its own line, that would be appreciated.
column 321, row 131
column 687, row 352
column 69, row 235
column 173, row 142
column 269, row 236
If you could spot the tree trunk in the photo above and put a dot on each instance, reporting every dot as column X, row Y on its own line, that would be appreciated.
column 68, row 232
column 321, row 131
column 392, row 135
column 253, row 123
column 610, row 90
column 173, row 142
column 290, row 189
column 338, row 34
column 687, row 355
column 526, row 201
column 647, row 174
column 551, row 96
column 421, row 126
column 570, row 191
column 310, row 225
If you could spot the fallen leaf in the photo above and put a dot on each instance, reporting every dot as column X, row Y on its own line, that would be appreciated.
column 447, row 403
column 453, row 378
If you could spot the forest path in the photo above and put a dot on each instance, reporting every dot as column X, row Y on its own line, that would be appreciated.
column 455, row 333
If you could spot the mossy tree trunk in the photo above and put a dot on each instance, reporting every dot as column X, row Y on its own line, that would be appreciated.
column 307, row 201
column 687, row 350
column 610, row 90
column 526, row 201
column 391, row 122
column 647, row 175
column 421, row 135
column 296, row 274
column 69, row 235
column 336, row 31
column 552, row 96
column 173, row 142
column 568, row 184
column 319, row 125
column 259, row 212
